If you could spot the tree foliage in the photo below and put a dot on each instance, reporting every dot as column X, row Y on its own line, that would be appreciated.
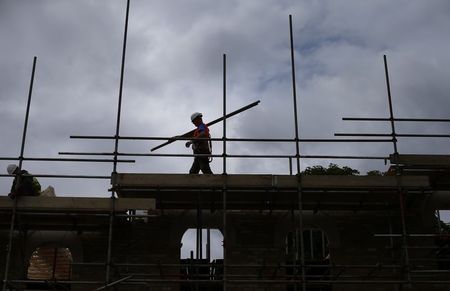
column 332, row 169
column 374, row 173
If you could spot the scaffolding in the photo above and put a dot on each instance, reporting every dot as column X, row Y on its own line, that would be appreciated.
column 299, row 193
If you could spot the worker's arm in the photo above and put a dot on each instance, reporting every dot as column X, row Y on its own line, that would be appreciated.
column 204, row 133
column 188, row 143
column 14, row 186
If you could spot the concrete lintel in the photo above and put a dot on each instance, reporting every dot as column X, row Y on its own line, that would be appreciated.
column 367, row 182
column 77, row 204
column 422, row 160
column 267, row 181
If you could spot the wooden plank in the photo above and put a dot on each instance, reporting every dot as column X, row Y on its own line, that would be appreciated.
column 190, row 181
column 175, row 180
column 77, row 203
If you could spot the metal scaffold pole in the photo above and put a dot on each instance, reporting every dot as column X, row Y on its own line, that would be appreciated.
column 224, row 173
column 397, row 172
column 116, row 147
column 22, row 149
column 297, row 152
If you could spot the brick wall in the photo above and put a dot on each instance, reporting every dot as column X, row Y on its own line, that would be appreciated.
column 253, row 238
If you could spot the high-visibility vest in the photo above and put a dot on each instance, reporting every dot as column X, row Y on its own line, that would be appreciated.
column 201, row 146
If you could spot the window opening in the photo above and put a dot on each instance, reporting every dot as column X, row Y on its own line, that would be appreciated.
column 50, row 264
column 317, row 258
column 201, row 259
column 442, row 241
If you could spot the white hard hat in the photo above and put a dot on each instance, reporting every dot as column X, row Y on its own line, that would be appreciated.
column 195, row 115
column 11, row 168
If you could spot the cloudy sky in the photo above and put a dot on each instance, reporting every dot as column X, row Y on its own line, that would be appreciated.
column 174, row 67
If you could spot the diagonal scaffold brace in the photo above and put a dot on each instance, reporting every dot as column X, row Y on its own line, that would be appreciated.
column 190, row 133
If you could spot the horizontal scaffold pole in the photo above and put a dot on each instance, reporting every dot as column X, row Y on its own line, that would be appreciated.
column 395, row 119
column 233, row 139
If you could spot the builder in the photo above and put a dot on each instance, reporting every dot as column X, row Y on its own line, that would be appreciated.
column 24, row 184
column 201, row 148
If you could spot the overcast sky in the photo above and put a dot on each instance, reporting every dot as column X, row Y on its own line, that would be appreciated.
column 174, row 67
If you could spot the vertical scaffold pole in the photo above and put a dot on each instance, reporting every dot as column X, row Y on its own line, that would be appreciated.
column 199, row 239
column 391, row 110
column 22, row 149
column 438, row 217
column 397, row 172
column 224, row 173
column 297, row 155
column 208, row 244
column 116, row 147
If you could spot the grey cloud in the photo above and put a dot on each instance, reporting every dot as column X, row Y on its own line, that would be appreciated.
column 174, row 67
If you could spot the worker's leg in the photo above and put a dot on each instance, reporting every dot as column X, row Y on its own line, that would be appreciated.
column 204, row 165
column 195, row 168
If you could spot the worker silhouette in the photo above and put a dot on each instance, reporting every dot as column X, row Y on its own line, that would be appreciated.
column 24, row 184
column 201, row 148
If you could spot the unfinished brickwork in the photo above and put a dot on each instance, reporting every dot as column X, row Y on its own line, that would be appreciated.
column 145, row 251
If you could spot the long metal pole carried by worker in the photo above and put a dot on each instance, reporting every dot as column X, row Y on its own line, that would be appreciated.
column 188, row 134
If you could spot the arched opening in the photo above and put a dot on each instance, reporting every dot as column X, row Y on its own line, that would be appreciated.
column 195, row 245
column 201, row 259
column 316, row 256
column 442, row 240
column 50, row 263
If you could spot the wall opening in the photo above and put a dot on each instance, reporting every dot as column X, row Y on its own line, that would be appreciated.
column 316, row 255
column 202, row 259
column 192, row 241
column 50, row 264
column 442, row 240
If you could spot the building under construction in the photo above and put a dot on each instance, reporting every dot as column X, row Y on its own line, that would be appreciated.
column 280, row 232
